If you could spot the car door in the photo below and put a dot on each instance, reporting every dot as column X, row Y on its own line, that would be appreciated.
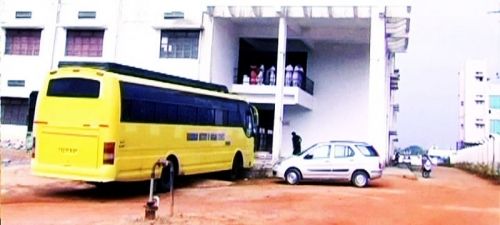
column 343, row 162
column 316, row 163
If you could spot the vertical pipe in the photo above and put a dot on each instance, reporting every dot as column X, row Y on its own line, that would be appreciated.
column 171, row 165
column 278, row 98
column 151, row 185
column 54, row 42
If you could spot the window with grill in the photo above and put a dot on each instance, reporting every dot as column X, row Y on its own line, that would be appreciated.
column 179, row 44
column 86, row 43
column 22, row 41
column 14, row 111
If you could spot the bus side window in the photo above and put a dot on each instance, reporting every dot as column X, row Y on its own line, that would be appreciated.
column 220, row 117
column 234, row 119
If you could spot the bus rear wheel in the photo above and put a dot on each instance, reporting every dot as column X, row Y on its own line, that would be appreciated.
column 163, row 184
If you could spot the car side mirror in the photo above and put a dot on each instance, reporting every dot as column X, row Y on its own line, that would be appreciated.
column 308, row 157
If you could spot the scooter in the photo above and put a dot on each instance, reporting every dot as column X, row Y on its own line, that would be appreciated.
column 426, row 168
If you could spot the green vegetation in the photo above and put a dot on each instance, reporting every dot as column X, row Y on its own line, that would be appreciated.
column 480, row 169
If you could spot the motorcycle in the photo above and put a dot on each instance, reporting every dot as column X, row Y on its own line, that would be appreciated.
column 426, row 167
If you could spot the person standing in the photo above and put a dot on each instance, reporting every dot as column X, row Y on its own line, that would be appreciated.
column 296, row 140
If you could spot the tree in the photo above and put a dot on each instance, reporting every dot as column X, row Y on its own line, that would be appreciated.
column 414, row 150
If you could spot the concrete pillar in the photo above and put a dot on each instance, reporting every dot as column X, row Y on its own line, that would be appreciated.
column 55, row 41
column 205, row 68
column 280, row 80
column 378, row 127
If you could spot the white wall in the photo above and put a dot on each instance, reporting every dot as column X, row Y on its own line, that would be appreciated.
column 340, row 75
column 13, row 132
column 487, row 153
column 32, row 69
column 132, row 36
column 224, row 50
column 472, row 110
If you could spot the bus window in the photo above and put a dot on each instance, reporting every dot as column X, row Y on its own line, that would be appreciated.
column 255, row 118
column 74, row 88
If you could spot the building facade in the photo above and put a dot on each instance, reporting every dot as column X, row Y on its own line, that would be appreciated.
column 479, row 99
column 324, row 69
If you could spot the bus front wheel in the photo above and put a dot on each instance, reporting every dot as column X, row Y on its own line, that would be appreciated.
column 237, row 170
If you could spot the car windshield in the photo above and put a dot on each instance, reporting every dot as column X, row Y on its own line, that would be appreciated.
column 367, row 150
column 307, row 149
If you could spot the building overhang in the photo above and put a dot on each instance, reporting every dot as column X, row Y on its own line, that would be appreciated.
column 262, row 94
column 396, row 14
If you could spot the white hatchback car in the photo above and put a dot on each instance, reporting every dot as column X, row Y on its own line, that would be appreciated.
column 357, row 162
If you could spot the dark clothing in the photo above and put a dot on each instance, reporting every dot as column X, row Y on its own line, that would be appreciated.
column 396, row 158
column 296, row 140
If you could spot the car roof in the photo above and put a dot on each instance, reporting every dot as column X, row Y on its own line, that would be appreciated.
column 348, row 142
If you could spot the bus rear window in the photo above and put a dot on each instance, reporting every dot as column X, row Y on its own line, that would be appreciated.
column 74, row 88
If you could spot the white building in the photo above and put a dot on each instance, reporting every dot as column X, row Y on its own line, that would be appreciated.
column 345, row 47
column 479, row 96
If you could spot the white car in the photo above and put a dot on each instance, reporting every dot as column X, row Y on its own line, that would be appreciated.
column 357, row 162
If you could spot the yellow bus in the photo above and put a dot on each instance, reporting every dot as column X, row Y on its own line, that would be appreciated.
column 104, row 122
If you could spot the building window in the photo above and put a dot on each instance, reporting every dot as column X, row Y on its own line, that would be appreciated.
column 22, row 41
column 14, row 111
column 495, row 101
column 179, row 44
column 495, row 126
column 87, row 43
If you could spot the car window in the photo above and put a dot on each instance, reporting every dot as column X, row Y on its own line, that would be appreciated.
column 320, row 152
column 343, row 151
column 367, row 150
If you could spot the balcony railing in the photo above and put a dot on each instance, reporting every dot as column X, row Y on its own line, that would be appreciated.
column 307, row 85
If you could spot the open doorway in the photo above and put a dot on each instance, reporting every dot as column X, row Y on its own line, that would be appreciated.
column 257, row 54
column 264, row 140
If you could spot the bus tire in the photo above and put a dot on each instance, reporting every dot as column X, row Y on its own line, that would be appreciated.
column 237, row 170
column 163, row 184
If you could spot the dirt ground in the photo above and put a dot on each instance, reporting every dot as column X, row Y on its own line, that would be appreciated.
column 449, row 197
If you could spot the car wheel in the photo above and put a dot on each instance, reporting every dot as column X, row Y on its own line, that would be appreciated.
column 426, row 174
column 360, row 179
column 292, row 176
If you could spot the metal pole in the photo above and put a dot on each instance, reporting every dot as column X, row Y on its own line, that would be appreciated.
column 171, row 189
column 493, row 169
column 152, row 206
column 151, row 187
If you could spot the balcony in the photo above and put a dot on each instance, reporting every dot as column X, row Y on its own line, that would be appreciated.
column 265, row 94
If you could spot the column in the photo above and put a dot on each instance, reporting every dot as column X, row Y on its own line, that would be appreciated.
column 377, row 100
column 205, row 68
column 278, row 97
